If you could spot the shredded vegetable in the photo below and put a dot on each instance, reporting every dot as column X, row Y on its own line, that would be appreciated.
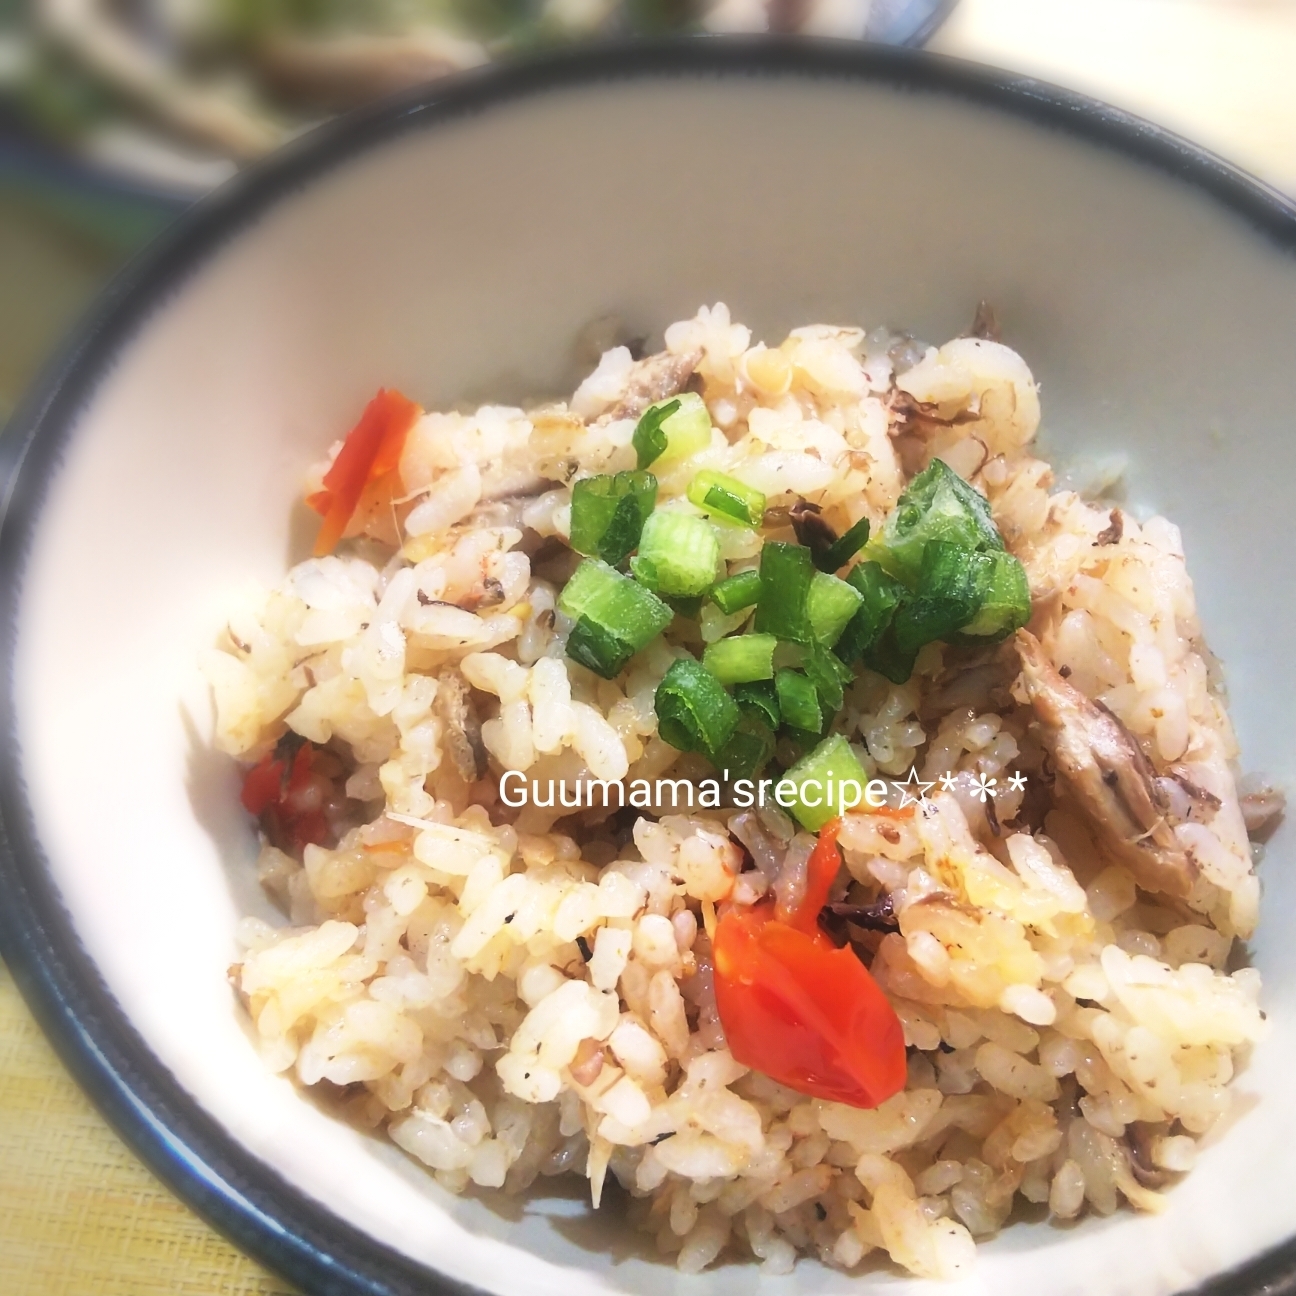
column 798, row 1009
column 936, row 572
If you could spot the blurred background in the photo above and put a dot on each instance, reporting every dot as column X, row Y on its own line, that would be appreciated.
column 116, row 115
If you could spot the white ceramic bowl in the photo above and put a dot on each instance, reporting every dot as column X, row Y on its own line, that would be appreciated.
column 452, row 244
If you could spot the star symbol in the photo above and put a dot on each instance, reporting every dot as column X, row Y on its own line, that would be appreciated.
column 948, row 782
column 911, row 785
column 1017, row 782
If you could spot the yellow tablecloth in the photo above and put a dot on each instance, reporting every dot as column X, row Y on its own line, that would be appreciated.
column 79, row 1215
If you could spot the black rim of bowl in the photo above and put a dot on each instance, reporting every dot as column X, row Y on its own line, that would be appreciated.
column 181, row 1143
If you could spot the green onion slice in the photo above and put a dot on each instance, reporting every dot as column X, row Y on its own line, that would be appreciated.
column 608, row 514
column 759, row 701
column 736, row 592
column 603, row 651
column 1005, row 602
column 951, row 584
column 619, row 617
column 818, row 778
column 748, row 750
column 727, row 497
column 829, row 674
column 798, row 701
column 694, row 713
column 672, row 429
column 880, row 595
column 678, row 554
column 938, row 505
column 838, row 554
column 830, row 605
column 786, row 572
column 649, row 439
column 741, row 659
column 889, row 659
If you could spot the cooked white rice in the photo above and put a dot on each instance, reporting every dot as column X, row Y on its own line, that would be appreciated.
column 509, row 995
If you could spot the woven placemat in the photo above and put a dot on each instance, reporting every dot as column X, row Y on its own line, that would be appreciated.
column 79, row 1215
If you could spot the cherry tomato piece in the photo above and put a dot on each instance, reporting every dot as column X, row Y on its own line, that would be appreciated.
column 372, row 448
column 797, row 1008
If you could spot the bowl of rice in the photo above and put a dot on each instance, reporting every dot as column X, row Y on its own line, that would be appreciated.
column 667, row 667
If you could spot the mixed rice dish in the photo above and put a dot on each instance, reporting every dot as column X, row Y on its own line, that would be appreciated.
column 751, row 786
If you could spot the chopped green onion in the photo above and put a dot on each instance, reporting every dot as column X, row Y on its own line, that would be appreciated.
column 938, row 505
column 798, row 701
column 759, row 700
column 838, row 554
column 889, row 659
column 736, row 592
column 880, row 594
column 649, row 440
column 615, row 617
column 818, row 778
column 829, row 674
column 688, row 607
column 608, row 514
column 786, row 571
column 727, row 497
column 678, row 554
column 672, row 429
column 694, row 713
column 830, row 606
column 1005, row 603
column 604, row 652
column 749, row 748
column 741, row 659
column 951, row 584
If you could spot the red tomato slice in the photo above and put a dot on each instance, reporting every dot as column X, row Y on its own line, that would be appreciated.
column 288, row 800
column 372, row 447
column 821, row 873
column 800, row 1010
column 262, row 784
